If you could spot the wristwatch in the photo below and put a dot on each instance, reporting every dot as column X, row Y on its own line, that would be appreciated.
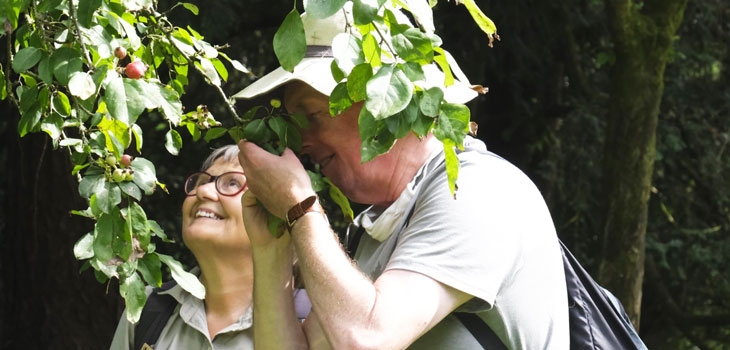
column 309, row 204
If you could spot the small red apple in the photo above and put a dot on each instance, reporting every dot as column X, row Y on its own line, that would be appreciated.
column 135, row 70
column 126, row 160
column 120, row 52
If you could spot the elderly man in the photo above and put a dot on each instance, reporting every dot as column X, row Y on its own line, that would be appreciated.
column 426, row 257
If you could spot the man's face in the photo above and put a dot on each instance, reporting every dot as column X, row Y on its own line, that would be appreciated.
column 334, row 143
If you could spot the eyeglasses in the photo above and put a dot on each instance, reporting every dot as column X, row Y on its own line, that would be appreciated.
column 227, row 184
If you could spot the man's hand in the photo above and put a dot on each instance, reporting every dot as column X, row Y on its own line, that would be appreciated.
column 279, row 182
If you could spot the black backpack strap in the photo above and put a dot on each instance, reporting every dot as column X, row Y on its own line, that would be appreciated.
column 155, row 314
column 481, row 331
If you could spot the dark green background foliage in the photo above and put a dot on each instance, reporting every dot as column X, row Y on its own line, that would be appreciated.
column 546, row 112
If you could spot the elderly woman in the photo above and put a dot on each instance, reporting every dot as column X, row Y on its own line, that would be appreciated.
column 213, row 229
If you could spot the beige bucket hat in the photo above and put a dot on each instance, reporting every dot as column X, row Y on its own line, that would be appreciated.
column 314, row 69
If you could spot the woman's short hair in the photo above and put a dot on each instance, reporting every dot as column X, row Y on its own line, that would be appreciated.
column 228, row 153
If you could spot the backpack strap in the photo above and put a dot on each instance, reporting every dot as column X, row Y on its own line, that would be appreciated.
column 481, row 331
column 155, row 314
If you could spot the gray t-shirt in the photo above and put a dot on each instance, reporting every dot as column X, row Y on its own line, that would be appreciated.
column 496, row 241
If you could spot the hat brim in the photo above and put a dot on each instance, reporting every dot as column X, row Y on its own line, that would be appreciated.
column 314, row 71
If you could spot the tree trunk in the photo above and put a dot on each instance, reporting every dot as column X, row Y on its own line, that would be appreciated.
column 642, row 36
column 44, row 302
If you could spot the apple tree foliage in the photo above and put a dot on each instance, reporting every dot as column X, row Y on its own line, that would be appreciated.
column 66, row 74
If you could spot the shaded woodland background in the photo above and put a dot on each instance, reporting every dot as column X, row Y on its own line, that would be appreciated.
column 549, row 81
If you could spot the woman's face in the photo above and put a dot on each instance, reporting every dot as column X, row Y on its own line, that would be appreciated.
column 212, row 220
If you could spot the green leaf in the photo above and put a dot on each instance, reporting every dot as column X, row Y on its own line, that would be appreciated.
column 64, row 62
column 214, row 133
column 25, row 59
column 365, row 11
column 173, row 142
column 452, row 123
column 389, row 91
column 357, row 81
column 300, row 120
column 293, row 138
column 348, row 53
column 375, row 137
column 140, row 95
column 116, row 97
column 210, row 72
column 84, row 247
column 92, row 182
column 220, row 68
column 278, row 125
column 185, row 279
column 149, row 267
column 413, row 46
column 158, row 231
column 61, row 104
column 289, row 41
column 44, row 69
column 170, row 104
column 257, row 132
column 85, row 12
column 131, row 189
column 144, row 174
column 52, row 125
column 339, row 99
column 81, row 85
column 191, row 7
column 400, row 124
column 109, row 196
column 122, row 243
column 340, row 199
column 380, row 144
column 133, row 292
column 117, row 135
column 30, row 120
column 137, row 132
column 430, row 101
column 137, row 220
column 484, row 23
column 322, row 8
column 422, row 125
column 423, row 14
column 452, row 165
column 107, row 227
column 371, row 50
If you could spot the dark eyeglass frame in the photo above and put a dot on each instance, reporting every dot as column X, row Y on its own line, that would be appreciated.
column 214, row 179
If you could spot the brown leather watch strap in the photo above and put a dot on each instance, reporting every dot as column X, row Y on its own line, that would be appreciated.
column 301, row 208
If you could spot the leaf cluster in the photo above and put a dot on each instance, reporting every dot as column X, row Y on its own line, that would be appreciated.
column 67, row 81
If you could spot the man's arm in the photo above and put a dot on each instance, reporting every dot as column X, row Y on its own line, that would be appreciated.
column 354, row 312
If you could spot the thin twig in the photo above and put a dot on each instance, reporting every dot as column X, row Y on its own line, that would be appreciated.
column 72, row 14
column 220, row 91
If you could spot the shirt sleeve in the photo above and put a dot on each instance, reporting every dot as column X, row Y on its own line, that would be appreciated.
column 124, row 335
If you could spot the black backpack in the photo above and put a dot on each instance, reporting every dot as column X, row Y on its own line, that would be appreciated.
column 597, row 318
column 156, row 312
